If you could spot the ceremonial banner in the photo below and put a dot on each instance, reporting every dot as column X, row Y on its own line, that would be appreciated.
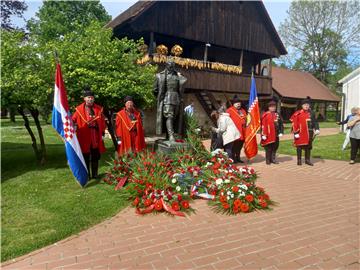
column 252, row 122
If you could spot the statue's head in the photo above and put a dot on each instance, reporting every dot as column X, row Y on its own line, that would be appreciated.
column 170, row 66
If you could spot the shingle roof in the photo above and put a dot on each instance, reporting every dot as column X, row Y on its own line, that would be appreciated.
column 299, row 84
column 140, row 7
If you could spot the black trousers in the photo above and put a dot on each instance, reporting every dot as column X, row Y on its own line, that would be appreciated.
column 216, row 141
column 270, row 150
column 307, row 148
column 237, row 146
column 355, row 147
column 229, row 149
column 94, row 157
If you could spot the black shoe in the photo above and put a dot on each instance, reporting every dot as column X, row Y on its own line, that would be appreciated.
column 299, row 162
column 94, row 170
column 268, row 163
column 240, row 161
column 308, row 162
column 275, row 162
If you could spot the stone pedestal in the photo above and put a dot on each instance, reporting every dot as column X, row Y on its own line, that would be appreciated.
column 168, row 147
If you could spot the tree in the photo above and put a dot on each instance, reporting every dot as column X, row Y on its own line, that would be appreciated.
column 11, row 8
column 93, row 59
column 322, row 35
column 58, row 18
column 26, row 81
column 106, row 64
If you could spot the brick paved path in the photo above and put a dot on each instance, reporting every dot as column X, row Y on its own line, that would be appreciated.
column 314, row 226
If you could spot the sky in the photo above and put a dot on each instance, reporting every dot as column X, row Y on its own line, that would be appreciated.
column 276, row 9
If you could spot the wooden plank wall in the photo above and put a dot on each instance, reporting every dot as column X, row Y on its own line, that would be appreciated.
column 231, row 24
column 217, row 81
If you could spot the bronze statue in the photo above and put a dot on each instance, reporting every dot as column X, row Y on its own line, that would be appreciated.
column 169, row 90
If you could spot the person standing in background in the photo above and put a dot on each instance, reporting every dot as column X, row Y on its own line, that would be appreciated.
column 271, row 129
column 227, row 129
column 129, row 129
column 348, row 118
column 238, row 116
column 189, row 109
column 304, row 127
column 354, row 125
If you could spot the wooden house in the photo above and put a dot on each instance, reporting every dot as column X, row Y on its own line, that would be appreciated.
column 223, row 42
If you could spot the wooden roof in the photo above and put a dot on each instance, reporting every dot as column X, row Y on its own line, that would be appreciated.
column 298, row 85
column 233, row 24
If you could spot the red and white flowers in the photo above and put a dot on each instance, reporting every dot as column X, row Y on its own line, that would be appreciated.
column 168, row 184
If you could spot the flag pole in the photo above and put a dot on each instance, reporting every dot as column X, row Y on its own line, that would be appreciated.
column 57, row 61
column 56, row 56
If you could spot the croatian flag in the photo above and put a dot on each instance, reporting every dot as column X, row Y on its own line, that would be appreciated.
column 61, row 121
column 252, row 122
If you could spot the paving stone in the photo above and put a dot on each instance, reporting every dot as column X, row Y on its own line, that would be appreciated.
column 315, row 225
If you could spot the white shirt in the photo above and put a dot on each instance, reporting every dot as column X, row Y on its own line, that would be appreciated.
column 189, row 110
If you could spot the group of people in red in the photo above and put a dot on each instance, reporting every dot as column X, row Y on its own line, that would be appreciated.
column 231, row 125
column 90, row 125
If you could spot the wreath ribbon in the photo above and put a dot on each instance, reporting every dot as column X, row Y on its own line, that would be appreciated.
column 195, row 192
column 167, row 208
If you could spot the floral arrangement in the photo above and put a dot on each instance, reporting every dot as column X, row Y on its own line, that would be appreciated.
column 168, row 184
column 154, row 182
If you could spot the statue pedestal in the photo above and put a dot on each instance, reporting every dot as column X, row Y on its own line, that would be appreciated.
column 168, row 147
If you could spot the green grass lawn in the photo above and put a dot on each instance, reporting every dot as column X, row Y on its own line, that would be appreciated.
column 287, row 126
column 326, row 147
column 44, row 204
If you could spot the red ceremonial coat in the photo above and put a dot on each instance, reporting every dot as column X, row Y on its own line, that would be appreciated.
column 300, row 121
column 239, row 120
column 269, row 121
column 84, row 133
column 130, row 132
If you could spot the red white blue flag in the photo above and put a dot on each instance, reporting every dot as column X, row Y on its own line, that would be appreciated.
column 252, row 122
column 62, row 122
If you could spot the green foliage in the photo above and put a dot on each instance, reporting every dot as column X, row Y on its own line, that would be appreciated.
column 193, row 138
column 9, row 9
column 41, row 206
column 25, row 70
column 107, row 65
column 333, row 78
column 58, row 18
column 321, row 63
column 322, row 36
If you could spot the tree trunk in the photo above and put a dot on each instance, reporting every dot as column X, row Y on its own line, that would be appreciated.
column 31, row 133
column 35, row 115
column 12, row 111
column 108, row 114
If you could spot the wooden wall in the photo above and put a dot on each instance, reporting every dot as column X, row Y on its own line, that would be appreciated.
column 232, row 24
column 217, row 81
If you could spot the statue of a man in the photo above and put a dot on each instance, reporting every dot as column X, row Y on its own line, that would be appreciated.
column 169, row 90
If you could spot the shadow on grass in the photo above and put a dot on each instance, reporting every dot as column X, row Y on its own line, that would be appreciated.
column 19, row 158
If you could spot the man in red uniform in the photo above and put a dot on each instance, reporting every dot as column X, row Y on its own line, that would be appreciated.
column 90, row 129
column 238, row 115
column 271, row 129
column 129, row 129
column 304, row 127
